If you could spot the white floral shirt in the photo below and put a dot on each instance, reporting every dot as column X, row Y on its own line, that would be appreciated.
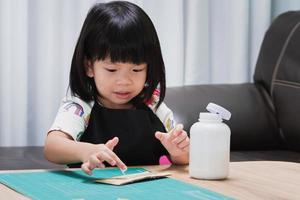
column 74, row 113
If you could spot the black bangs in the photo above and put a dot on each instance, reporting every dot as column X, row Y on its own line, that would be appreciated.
column 121, row 46
column 120, row 35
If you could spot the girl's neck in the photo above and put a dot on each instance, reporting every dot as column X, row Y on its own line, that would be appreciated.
column 114, row 106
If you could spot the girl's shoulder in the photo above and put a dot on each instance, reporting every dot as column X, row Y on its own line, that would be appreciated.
column 71, row 98
column 77, row 105
column 73, row 116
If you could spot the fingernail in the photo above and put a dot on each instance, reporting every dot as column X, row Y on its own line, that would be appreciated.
column 113, row 163
column 123, row 170
column 179, row 126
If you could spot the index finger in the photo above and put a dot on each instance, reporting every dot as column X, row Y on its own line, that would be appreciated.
column 175, row 132
column 112, row 156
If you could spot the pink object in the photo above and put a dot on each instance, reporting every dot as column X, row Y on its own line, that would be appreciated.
column 163, row 160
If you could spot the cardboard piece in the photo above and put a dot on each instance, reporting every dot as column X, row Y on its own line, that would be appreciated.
column 131, row 178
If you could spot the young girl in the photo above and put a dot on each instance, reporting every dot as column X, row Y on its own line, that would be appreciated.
column 116, row 113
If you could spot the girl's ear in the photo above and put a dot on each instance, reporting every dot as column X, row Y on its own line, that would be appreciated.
column 88, row 68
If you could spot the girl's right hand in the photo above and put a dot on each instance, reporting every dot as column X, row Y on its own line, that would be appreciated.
column 104, row 153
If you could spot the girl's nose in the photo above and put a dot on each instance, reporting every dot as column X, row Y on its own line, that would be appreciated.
column 124, row 79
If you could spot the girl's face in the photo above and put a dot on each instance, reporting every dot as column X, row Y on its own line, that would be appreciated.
column 117, row 83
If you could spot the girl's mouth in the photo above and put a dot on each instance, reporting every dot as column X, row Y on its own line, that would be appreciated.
column 122, row 95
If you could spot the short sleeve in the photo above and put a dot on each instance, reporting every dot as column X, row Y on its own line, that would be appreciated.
column 166, row 116
column 72, row 117
column 164, row 113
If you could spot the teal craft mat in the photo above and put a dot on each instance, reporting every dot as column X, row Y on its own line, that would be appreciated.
column 75, row 185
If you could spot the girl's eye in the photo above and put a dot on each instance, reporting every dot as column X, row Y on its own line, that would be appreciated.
column 138, row 70
column 111, row 70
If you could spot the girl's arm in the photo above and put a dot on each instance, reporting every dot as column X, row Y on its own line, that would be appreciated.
column 62, row 149
column 69, row 123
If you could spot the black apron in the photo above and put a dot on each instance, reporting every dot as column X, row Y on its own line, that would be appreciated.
column 135, row 129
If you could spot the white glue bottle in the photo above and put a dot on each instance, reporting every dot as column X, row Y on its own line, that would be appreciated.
column 210, row 144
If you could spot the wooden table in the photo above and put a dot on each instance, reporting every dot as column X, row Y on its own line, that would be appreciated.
column 247, row 180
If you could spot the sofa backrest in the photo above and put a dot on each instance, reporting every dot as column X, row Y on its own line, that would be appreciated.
column 253, row 124
column 278, row 70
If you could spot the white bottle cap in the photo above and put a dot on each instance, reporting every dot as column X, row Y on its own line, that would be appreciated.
column 219, row 110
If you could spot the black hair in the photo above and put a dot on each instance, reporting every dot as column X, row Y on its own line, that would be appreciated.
column 123, row 32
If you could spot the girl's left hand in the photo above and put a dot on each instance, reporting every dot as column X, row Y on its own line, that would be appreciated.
column 176, row 141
